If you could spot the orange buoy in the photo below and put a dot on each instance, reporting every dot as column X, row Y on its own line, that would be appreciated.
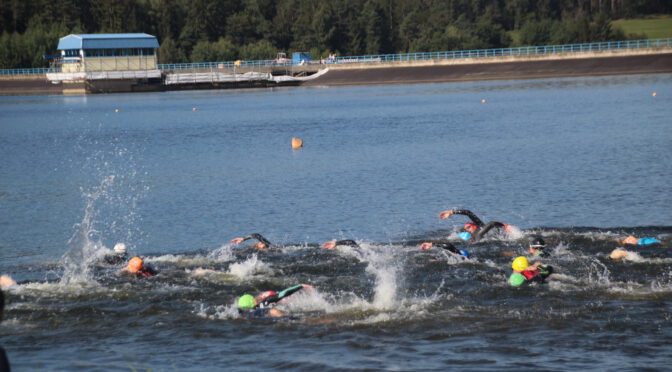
column 296, row 143
column 116, row 110
column 654, row 94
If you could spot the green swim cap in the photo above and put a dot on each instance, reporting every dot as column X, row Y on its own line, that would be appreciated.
column 246, row 302
column 516, row 279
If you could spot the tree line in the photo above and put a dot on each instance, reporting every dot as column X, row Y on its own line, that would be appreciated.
column 225, row 30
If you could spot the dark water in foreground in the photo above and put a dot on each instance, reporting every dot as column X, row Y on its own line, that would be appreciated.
column 580, row 162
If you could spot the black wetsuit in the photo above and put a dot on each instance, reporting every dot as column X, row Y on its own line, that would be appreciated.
column 4, row 362
column 262, row 309
column 481, row 228
column 531, row 277
column 280, row 295
column 347, row 242
column 146, row 272
column 539, row 275
column 447, row 246
column 115, row 259
column 259, row 238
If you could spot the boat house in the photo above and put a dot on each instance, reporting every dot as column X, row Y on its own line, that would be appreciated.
column 93, row 63
column 108, row 52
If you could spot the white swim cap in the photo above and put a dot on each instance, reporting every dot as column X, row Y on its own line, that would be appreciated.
column 120, row 248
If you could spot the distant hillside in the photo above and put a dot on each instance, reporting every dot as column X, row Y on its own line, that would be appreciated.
column 227, row 30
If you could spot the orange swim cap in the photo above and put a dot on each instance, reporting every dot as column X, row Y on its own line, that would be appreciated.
column 618, row 253
column 630, row 240
column 135, row 265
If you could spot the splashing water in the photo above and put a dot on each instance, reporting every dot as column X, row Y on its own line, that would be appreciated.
column 598, row 273
column 85, row 244
column 110, row 210
column 381, row 264
column 223, row 253
column 249, row 267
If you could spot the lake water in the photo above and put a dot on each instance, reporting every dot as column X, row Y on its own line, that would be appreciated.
column 175, row 176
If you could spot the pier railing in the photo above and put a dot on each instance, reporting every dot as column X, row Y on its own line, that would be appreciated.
column 29, row 71
column 517, row 51
column 401, row 57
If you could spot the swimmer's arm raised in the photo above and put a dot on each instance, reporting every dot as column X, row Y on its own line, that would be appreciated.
column 465, row 212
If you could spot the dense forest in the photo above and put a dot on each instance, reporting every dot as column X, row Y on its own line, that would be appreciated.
column 224, row 30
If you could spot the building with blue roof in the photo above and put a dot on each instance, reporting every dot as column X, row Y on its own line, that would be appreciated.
column 108, row 52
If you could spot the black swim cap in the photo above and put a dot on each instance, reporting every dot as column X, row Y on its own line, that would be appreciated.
column 537, row 243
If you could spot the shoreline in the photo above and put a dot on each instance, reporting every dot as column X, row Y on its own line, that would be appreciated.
column 434, row 72
column 535, row 69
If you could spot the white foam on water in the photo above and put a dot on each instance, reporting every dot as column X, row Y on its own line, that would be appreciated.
column 216, row 312
column 561, row 249
column 287, row 249
column 452, row 258
column 383, row 265
column 253, row 265
column 223, row 253
column 58, row 289
column 179, row 260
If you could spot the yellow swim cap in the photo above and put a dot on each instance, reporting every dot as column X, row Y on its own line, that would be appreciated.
column 520, row 263
column 135, row 265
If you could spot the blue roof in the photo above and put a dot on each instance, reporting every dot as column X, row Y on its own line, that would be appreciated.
column 107, row 41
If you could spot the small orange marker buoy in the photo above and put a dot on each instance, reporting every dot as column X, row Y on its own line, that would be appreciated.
column 654, row 94
column 296, row 143
column 483, row 100
column 116, row 110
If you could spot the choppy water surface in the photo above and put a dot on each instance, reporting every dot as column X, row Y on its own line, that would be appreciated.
column 175, row 176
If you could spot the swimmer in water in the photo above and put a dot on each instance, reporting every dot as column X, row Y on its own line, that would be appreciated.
column 136, row 267
column 334, row 243
column 262, row 305
column 4, row 362
column 526, row 274
column 6, row 281
column 632, row 240
column 261, row 244
column 538, row 247
column 444, row 245
column 118, row 256
column 475, row 229
column 622, row 253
